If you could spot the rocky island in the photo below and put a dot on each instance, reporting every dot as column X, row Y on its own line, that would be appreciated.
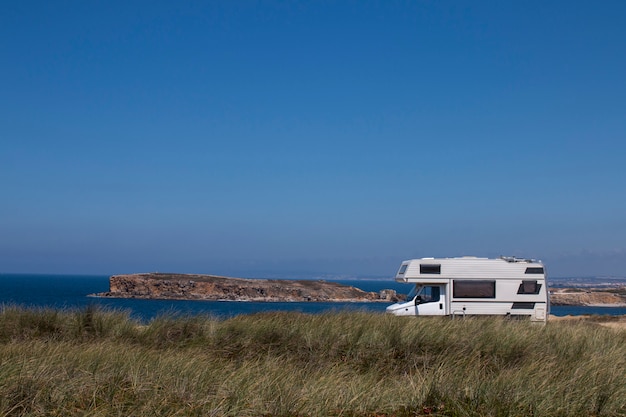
column 216, row 288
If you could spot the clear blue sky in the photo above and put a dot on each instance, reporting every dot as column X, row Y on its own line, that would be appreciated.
column 271, row 138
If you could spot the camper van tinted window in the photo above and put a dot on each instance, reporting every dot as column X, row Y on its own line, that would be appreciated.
column 429, row 294
column 529, row 287
column 473, row 289
column 430, row 269
column 534, row 270
column 403, row 269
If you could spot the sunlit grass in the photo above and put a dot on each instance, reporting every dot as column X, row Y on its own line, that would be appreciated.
column 94, row 362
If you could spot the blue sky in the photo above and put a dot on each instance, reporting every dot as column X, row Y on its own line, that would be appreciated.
column 308, row 138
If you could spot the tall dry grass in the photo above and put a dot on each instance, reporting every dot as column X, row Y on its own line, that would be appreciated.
column 101, row 363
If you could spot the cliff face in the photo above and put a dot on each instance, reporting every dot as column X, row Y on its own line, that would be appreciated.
column 208, row 287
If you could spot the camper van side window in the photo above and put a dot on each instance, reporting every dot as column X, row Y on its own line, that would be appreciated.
column 403, row 269
column 430, row 269
column 429, row 294
column 473, row 289
column 534, row 270
column 529, row 287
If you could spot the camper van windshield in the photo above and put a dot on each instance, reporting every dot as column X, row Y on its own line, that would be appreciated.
column 411, row 295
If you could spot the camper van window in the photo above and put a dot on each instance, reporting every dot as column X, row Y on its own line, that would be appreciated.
column 403, row 269
column 529, row 287
column 534, row 270
column 430, row 269
column 429, row 294
column 473, row 289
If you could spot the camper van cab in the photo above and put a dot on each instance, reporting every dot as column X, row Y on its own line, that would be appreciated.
column 474, row 286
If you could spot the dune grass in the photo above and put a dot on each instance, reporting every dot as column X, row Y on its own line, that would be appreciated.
column 101, row 363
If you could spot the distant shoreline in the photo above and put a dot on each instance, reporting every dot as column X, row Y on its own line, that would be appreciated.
column 588, row 296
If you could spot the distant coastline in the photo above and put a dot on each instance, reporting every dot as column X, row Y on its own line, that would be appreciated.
column 589, row 296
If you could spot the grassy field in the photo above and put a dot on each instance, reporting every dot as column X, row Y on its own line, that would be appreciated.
column 101, row 363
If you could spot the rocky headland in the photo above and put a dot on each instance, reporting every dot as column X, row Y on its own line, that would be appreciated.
column 216, row 288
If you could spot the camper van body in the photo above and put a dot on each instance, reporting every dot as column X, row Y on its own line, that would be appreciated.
column 474, row 286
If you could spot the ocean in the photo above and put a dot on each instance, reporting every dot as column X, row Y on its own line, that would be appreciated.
column 72, row 292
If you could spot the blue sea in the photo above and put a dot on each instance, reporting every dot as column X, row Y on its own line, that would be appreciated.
column 72, row 292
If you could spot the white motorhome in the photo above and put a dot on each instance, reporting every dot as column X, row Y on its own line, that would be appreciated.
column 474, row 286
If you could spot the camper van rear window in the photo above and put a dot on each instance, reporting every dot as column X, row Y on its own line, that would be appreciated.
column 529, row 287
column 534, row 270
column 474, row 289
column 430, row 269
column 403, row 269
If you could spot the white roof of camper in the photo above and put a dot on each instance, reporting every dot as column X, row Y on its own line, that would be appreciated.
column 511, row 259
column 470, row 267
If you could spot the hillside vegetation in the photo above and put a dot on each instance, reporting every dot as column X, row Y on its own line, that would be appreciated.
column 100, row 363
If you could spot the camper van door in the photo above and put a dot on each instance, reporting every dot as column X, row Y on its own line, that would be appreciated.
column 431, row 301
